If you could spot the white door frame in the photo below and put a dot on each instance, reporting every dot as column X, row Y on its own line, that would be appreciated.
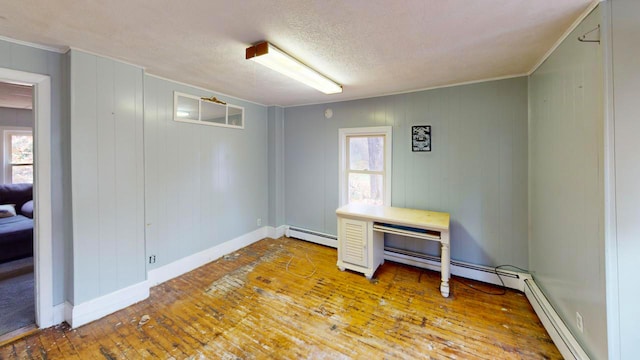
column 43, row 254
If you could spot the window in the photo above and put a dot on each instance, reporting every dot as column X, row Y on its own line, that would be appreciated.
column 205, row 111
column 365, row 165
column 18, row 146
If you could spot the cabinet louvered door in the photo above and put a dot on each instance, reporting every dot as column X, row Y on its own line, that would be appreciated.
column 353, row 242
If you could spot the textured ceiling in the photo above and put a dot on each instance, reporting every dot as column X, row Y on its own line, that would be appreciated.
column 370, row 47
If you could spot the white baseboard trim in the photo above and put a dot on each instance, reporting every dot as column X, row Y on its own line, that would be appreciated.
column 311, row 236
column 59, row 313
column 78, row 315
column 191, row 262
column 560, row 334
column 68, row 311
column 276, row 233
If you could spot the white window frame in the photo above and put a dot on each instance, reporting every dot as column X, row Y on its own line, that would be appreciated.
column 199, row 121
column 6, row 150
column 343, row 134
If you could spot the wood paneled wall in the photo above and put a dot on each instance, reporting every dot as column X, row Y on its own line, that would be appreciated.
column 107, row 175
column 623, row 247
column 477, row 170
column 566, row 249
column 276, row 165
column 204, row 184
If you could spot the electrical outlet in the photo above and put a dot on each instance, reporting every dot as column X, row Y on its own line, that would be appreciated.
column 259, row 222
column 579, row 322
column 152, row 259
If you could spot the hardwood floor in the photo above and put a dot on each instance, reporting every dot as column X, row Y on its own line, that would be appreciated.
column 285, row 299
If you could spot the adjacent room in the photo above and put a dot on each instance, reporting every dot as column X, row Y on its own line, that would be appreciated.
column 319, row 179
column 17, row 304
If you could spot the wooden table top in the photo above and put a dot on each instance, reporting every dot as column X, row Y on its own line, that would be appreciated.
column 400, row 216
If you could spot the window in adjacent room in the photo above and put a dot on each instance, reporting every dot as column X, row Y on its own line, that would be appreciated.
column 365, row 165
column 18, row 156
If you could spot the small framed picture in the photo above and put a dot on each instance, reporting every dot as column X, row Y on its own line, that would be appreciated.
column 421, row 138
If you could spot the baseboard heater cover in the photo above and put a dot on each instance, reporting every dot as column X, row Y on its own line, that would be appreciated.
column 433, row 258
column 566, row 343
column 511, row 279
column 312, row 236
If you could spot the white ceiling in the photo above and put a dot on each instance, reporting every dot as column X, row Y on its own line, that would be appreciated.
column 370, row 47
column 15, row 96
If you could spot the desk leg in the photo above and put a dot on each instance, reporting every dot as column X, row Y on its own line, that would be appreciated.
column 445, row 262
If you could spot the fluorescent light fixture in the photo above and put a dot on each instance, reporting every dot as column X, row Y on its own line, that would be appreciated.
column 272, row 57
column 182, row 113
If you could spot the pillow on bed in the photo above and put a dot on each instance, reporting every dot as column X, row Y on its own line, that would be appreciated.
column 7, row 210
column 27, row 209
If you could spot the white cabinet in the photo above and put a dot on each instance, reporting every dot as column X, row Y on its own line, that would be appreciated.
column 359, row 247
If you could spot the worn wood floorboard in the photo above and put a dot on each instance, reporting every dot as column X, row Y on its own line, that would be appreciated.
column 286, row 299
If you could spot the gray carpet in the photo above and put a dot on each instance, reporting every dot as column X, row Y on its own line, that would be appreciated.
column 17, row 302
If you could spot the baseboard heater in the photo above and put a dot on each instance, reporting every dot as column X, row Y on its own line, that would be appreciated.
column 558, row 331
column 313, row 236
column 453, row 262
column 511, row 279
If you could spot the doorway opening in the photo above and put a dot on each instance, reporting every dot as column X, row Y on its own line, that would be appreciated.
column 20, row 167
column 17, row 281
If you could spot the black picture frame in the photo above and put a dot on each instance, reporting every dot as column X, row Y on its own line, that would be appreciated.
column 421, row 138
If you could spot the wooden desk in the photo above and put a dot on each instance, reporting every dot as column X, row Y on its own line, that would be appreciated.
column 361, row 230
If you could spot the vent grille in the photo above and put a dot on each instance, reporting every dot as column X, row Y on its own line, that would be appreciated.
column 354, row 245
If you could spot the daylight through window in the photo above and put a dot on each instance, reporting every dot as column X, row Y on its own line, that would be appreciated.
column 366, row 164
column 19, row 158
column 366, row 169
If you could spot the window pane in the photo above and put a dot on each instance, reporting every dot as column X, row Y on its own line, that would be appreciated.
column 365, row 189
column 22, row 174
column 21, row 149
column 215, row 113
column 234, row 116
column 366, row 153
column 187, row 108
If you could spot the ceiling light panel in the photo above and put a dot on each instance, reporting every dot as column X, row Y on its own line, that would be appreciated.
column 270, row 56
